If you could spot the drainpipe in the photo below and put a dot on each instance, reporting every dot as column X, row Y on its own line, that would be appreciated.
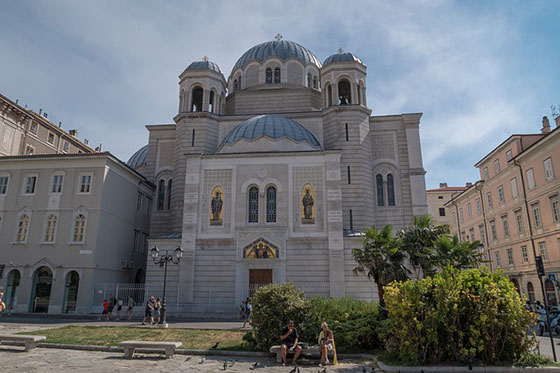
column 458, row 217
column 535, row 252
column 477, row 186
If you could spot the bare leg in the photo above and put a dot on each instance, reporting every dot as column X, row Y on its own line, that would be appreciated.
column 298, row 352
column 323, row 352
column 283, row 354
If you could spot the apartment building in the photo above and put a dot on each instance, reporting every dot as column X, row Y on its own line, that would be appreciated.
column 437, row 198
column 514, row 210
column 25, row 132
column 67, row 223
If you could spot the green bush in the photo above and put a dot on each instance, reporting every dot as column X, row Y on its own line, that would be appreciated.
column 354, row 323
column 457, row 316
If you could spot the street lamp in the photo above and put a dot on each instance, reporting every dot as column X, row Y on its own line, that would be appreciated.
column 162, row 260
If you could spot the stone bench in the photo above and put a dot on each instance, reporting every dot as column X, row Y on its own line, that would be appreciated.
column 308, row 351
column 30, row 341
column 130, row 346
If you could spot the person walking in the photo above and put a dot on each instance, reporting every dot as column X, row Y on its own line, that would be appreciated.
column 2, row 304
column 119, row 308
column 248, row 310
column 129, row 307
column 148, row 314
column 157, row 308
column 105, row 305
column 111, row 306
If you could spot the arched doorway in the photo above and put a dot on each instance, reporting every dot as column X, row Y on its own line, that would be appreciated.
column 11, row 289
column 71, row 292
column 531, row 292
column 516, row 284
column 139, row 279
column 41, row 294
column 550, row 293
column 344, row 92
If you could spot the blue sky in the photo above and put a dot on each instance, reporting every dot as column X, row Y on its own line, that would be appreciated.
column 478, row 70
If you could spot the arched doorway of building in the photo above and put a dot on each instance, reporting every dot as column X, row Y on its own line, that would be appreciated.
column 550, row 293
column 11, row 289
column 71, row 292
column 516, row 284
column 139, row 279
column 531, row 292
column 41, row 294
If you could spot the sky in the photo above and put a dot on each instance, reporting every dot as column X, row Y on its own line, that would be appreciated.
column 479, row 71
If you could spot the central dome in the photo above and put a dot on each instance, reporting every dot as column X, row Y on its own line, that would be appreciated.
column 274, row 128
column 283, row 49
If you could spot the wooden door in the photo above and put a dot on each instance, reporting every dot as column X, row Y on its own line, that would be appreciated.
column 259, row 278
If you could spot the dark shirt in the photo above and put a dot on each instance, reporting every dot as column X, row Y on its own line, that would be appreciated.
column 291, row 338
column 149, row 305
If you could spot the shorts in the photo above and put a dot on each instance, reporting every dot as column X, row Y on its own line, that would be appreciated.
column 247, row 316
column 119, row 308
column 148, row 313
column 329, row 346
column 104, row 312
column 288, row 345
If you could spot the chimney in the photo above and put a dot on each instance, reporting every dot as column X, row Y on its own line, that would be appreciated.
column 557, row 120
column 73, row 133
column 443, row 185
column 468, row 184
column 545, row 125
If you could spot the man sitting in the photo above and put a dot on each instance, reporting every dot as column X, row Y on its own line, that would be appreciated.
column 289, row 340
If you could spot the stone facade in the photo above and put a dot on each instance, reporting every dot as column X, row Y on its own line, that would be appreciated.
column 318, row 138
column 514, row 210
column 437, row 198
column 69, row 222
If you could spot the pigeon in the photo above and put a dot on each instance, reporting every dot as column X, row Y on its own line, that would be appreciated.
column 254, row 365
column 215, row 346
column 188, row 358
column 201, row 361
column 364, row 370
column 324, row 370
column 294, row 370
column 225, row 365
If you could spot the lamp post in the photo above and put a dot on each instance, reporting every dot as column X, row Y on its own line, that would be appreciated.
column 162, row 260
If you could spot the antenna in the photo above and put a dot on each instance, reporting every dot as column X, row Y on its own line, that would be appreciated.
column 17, row 102
column 554, row 112
column 40, row 111
column 59, row 124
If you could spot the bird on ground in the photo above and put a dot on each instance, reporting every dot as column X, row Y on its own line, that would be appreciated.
column 364, row 370
column 324, row 370
column 254, row 365
column 215, row 346
column 225, row 365
column 188, row 358
column 294, row 370
column 201, row 361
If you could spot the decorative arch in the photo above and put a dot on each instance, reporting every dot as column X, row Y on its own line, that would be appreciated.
column 531, row 292
column 344, row 92
column 212, row 101
column 217, row 206
column 12, row 285
column 197, row 98
column 271, row 207
column 308, row 202
column 261, row 249
column 72, row 282
column 253, row 204
column 387, row 184
column 41, row 289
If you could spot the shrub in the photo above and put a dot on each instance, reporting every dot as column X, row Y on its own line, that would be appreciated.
column 273, row 306
column 354, row 323
column 458, row 316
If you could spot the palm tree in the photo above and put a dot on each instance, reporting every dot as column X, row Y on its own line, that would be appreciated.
column 380, row 258
column 460, row 255
column 418, row 242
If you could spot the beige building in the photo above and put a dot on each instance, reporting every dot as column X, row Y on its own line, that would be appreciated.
column 24, row 132
column 271, row 174
column 514, row 210
column 67, row 223
column 437, row 198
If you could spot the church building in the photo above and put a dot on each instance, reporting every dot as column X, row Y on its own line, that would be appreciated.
column 270, row 175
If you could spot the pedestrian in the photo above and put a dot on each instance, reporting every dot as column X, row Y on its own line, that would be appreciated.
column 119, row 308
column 111, row 306
column 157, row 309
column 130, row 307
column 105, row 305
column 148, row 314
column 2, row 304
column 241, row 310
column 248, row 310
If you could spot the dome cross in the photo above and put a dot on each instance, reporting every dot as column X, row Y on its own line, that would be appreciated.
column 278, row 37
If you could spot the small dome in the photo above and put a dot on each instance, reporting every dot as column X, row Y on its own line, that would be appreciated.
column 273, row 127
column 283, row 49
column 205, row 64
column 342, row 56
column 139, row 158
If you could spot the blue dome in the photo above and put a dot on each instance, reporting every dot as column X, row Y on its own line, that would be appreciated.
column 204, row 65
column 273, row 127
column 283, row 49
column 342, row 56
column 139, row 158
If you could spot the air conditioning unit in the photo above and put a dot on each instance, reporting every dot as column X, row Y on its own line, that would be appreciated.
column 127, row 264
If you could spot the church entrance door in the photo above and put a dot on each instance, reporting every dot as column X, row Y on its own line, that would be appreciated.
column 259, row 278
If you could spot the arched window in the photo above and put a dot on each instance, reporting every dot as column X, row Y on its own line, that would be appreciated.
column 71, row 292
column 79, row 228
column 309, row 80
column 253, row 205
column 23, row 227
column 531, row 292
column 315, row 82
column 168, row 204
column 51, row 228
column 344, row 92
column 269, row 76
column 197, row 94
column 11, row 289
column 390, row 190
column 161, row 194
column 271, row 204
column 379, row 187
column 550, row 293
column 211, row 102
column 329, row 95
column 277, row 75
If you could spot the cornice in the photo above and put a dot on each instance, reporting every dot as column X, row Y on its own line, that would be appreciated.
column 317, row 153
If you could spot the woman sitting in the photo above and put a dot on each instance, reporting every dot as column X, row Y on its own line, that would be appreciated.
column 326, row 344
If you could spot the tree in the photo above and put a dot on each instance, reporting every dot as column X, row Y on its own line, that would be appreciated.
column 459, row 255
column 418, row 241
column 380, row 258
